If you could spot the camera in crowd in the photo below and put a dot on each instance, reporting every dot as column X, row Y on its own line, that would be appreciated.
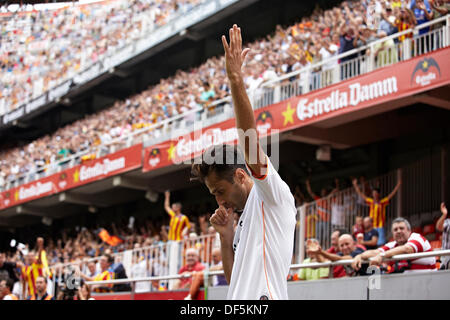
column 69, row 284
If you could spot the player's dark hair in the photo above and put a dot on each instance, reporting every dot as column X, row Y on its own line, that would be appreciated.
column 223, row 160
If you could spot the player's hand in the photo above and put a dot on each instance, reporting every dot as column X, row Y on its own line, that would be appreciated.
column 234, row 56
column 444, row 209
column 222, row 220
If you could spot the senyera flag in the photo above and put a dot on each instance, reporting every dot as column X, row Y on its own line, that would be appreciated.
column 112, row 240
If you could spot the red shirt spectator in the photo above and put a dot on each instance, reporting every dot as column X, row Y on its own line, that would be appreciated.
column 192, row 264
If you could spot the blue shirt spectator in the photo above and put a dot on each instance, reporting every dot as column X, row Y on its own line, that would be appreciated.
column 423, row 13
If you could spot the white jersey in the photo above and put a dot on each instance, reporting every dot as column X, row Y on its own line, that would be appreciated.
column 263, row 242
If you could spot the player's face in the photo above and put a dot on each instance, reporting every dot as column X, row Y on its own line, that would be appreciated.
column 229, row 195
column 400, row 232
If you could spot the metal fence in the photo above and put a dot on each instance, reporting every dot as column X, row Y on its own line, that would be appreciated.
column 158, row 260
column 417, row 200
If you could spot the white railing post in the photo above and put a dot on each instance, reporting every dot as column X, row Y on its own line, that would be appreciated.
column 301, row 236
column 174, row 255
column 399, row 194
column 447, row 31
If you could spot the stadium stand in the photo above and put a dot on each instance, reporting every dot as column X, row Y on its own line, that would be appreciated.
column 290, row 49
column 296, row 60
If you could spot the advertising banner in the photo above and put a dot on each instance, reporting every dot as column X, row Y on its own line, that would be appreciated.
column 97, row 169
column 383, row 85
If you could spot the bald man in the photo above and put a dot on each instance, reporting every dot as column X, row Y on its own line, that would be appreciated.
column 193, row 264
column 197, row 279
column 347, row 251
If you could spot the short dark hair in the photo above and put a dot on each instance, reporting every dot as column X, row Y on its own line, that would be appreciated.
column 223, row 160
column 109, row 258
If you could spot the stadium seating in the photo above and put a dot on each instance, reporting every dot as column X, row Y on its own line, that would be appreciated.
column 280, row 54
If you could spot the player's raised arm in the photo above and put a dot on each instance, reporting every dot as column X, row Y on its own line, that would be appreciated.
column 245, row 119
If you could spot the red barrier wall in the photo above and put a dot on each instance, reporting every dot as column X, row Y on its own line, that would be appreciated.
column 163, row 295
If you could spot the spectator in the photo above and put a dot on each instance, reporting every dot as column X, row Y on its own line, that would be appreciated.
column 322, row 211
column 328, row 50
column 140, row 269
column 387, row 24
column 347, row 250
column 6, row 288
column 29, row 273
column 92, row 269
column 7, row 269
column 370, row 237
column 377, row 208
column 41, row 290
column 358, row 227
column 313, row 273
column 198, row 278
column 105, row 274
column 405, row 20
column 84, row 292
column 179, row 223
column 404, row 242
column 422, row 12
column 443, row 225
column 338, row 271
column 192, row 265
column 385, row 52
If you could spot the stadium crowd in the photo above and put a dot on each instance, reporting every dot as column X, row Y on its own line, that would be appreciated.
column 29, row 271
column 324, row 34
column 41, row 49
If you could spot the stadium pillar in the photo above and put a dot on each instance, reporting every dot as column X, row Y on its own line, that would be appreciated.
column 301, row 235
column 445, row 178
column 399, row 194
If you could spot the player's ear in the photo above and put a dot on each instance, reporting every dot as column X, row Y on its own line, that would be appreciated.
column 239, row 174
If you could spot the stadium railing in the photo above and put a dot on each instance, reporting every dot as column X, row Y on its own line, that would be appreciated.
column 164, row 258
column 207, row 274
column 270, row 92
column 416, row 199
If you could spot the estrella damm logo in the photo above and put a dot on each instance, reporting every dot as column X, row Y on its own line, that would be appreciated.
column 264, row 122
column 425, row 72
column 154, row 157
